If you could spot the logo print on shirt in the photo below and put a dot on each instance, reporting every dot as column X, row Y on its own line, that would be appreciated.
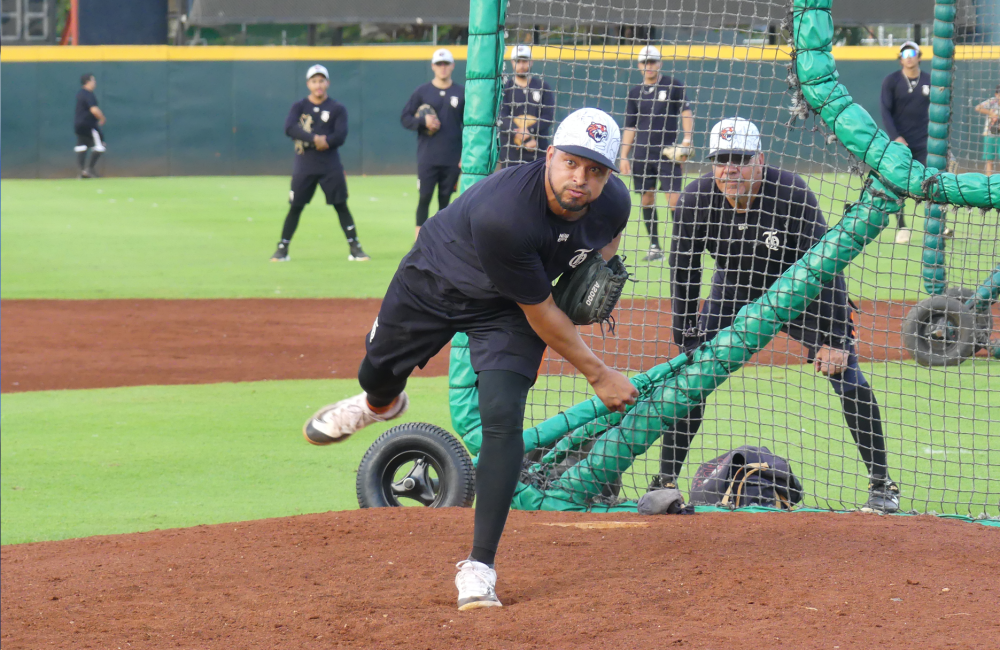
column 315, row 109
column 727, row 133
column 771, row 240
column 536, row 96
column 454, row 101
column 562, row 237
column 371, row 337
column 926, row 90
column 661, row 95
column 325, row 116
column 597, row 132
column 580, row 257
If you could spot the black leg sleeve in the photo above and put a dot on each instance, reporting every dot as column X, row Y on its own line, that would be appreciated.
column 94, row 156
column 81, row 159
column 502, row 396
column 650, row 218
column 677, row 441
column 864, row 419
column 381, row 386
column 424, row 205
column 346, row 221
column 291, row 222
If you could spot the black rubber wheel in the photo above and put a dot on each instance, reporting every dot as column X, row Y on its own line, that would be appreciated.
column 984, row 320
column 416, row 464
column 939, row 331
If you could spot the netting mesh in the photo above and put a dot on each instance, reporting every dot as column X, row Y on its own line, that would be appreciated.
column 941, row 422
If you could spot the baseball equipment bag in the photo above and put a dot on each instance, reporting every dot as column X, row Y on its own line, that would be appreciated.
column 589, row 293
column 746, row 476
column 678, row 152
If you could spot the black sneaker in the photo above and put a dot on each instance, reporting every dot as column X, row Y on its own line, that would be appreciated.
column 654, row 254
column 357, row 255
column 883, row 496
column 84, row 174
column 281, row 255
column 92, row 173
column 662, row 482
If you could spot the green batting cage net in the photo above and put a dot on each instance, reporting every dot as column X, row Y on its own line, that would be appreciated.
column 927, row 352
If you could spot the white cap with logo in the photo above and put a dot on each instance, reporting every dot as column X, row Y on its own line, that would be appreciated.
column 649, row 53
column 318, row 69
column 442, row 55
column 909, row 45
column 520, row 52
column 734, row 135
column 590, row 133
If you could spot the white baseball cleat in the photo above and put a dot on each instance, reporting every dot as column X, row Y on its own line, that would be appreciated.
column 476, row 584
column 903, row 236
column 336, row 423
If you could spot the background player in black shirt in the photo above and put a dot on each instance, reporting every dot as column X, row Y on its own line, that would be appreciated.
column 905, row 104
column 652, row 112
column 756, row 221
column 526, row 115
column 318, row 125
column 436, row 111
column 87, row 122
column 485, row 266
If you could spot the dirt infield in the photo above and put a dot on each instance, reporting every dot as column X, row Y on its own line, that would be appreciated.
column 53, row 344
column 377, row 579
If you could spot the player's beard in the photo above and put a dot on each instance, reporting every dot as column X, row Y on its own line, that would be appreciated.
column 568, row 203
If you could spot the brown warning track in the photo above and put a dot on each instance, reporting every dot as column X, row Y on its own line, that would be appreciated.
column 377, row 579
column 68, row 344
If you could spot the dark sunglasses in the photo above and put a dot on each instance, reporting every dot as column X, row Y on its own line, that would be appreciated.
column 738, row 159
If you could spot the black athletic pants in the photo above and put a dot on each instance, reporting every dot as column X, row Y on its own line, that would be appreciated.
column 502, row 398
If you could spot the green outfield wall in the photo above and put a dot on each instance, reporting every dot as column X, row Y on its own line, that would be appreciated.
column 220, row 111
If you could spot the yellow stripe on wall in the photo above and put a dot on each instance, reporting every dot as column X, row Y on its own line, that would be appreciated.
column 25, row 53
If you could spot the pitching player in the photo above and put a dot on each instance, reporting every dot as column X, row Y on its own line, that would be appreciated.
column 436, row 111
column 87, row 123
column 905, row 104
column 756, row 221
column 526, row 115
column 485, row 266
column 318, row 125
column 652, row 113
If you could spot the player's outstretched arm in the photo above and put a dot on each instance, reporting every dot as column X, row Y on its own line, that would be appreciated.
column 558, row 331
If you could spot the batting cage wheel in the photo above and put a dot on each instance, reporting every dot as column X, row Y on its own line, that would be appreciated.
column 940, row 331
column 416, row 464
column 983, row 320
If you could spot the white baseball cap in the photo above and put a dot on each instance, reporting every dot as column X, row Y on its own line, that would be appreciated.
column 734, row 135
column 649, row 53
column 520, row 52
column 590, row 133
column 318, row 69
column 909, row 45
column 442, row 55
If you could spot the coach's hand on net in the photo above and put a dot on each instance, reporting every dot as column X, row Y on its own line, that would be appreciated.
column 831, row 361
column 614, row 389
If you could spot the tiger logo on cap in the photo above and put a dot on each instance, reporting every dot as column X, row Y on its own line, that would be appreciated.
column 727, row 133
column 597, row 132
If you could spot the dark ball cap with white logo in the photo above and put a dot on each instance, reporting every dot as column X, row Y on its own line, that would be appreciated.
column 590, row 133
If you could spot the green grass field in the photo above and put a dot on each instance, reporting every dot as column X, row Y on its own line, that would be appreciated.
column 211, row 237
column 77, row 463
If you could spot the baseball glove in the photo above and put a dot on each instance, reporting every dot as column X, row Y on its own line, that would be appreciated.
column 678, row 152
column 424, row 110
column 521, row 126
column 589, row 293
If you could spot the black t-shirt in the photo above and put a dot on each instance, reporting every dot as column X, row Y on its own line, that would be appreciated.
column 444, row 147
column 85, row 100
column 750, row 249
column 537, row 101
column 500, row 241
column 305, row 120
column 906, row 107
column 654, row 113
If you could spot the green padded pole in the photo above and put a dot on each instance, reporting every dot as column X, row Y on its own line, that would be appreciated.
column 942, row 76
column 480, row 150
column 817, row 76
